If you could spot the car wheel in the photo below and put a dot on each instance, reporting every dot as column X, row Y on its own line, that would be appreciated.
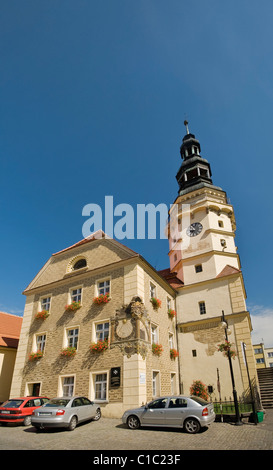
column 133, row 422
column 192, row 426
column 97, row 415
column 27, row 421
column 73, row 423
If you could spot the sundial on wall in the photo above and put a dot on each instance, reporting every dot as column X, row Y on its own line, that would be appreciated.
column 130, row 328
column 123, row 329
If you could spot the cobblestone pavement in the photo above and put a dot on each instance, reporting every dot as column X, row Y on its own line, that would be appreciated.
column 110, row 434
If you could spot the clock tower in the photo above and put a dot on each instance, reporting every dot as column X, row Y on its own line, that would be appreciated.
column 203, row 255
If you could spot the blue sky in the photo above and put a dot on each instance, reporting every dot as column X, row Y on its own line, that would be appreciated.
column 93, row 99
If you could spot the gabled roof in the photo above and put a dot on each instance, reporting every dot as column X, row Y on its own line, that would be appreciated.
column 10, row 328
column 95, row 236
column 228, row 270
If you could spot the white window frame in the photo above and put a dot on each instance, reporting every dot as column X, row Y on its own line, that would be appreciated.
column 93, row 386
column 156, row 386
column 67, row 336
column 29, row 388
column 173, row 381
column 169, row 303
column 152, row 290
column 171, row 340
column 35, row 341
column 154, row 333
column 76, row 288
column 40, row 307
column 61, row 384
column 103, row 290
column 102, row 331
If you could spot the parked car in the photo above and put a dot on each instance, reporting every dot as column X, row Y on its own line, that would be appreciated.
column 190, row 413
column 19, row 410
column 65, row 412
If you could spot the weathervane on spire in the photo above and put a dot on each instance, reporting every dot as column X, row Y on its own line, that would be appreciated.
column 187, row 127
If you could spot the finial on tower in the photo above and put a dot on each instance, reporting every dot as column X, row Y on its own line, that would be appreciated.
column 187, row 127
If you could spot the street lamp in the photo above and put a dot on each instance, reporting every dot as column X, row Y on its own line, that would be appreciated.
column 224, row 325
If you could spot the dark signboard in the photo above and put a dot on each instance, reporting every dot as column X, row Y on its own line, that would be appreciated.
column 115, row 377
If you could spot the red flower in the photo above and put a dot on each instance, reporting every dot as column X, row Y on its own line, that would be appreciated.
column 102, row 299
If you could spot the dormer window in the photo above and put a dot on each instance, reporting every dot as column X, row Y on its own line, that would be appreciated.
column 81, row 263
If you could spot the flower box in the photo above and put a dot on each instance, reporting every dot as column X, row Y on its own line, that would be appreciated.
column 102, row 299
column 173, row 353
column 35, row 356
column 171, row 313
column 43, row 314
column 156, row 303
column 157, row 349
column 226, row 349
column 100, row 346
column 73, row 307
column 68, row 352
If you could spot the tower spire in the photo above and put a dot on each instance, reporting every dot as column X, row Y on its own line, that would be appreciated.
column 187, row 126
column 195, row 170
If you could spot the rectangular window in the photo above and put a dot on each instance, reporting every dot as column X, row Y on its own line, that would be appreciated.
column 155, row 384
column 100, row 386
column 154, row 334
column 169, row 304
column 260, row 361
column 102, row 331
column 173, row 384
column 76, row 295
column 220, row 223
column 171, row 341
column 202, row 308
column 258, row 351
column 68, row 386
column 45, row 303
column 194, row 353
column 270, row 354
column 104, row 287
column 198, row 268
column 40, row 342
column 72, row 336
column 152, row 290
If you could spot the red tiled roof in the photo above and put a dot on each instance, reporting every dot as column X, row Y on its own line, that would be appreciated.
column 228, row 270
column 10, row 328
column 171, row 278
column 96, row 236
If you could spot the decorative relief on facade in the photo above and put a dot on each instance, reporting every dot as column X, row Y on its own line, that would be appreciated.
column 130, row 329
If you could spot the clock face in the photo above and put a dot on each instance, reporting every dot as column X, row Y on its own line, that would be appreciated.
column 194, row 229
column 124, row 329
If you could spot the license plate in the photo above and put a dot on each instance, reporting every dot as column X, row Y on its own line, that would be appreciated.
column 44, row 414
column 4, row 412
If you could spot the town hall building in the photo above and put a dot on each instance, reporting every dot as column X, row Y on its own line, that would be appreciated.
column 100, row 321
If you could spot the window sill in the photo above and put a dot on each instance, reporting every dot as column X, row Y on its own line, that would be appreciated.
column 77, row 271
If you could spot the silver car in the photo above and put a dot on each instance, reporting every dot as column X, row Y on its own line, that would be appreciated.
column 190, row 413
column 65, row 412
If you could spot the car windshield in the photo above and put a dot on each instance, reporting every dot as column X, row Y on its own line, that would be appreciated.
column 199, row 400
column 12, row 404
column 58, row 402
